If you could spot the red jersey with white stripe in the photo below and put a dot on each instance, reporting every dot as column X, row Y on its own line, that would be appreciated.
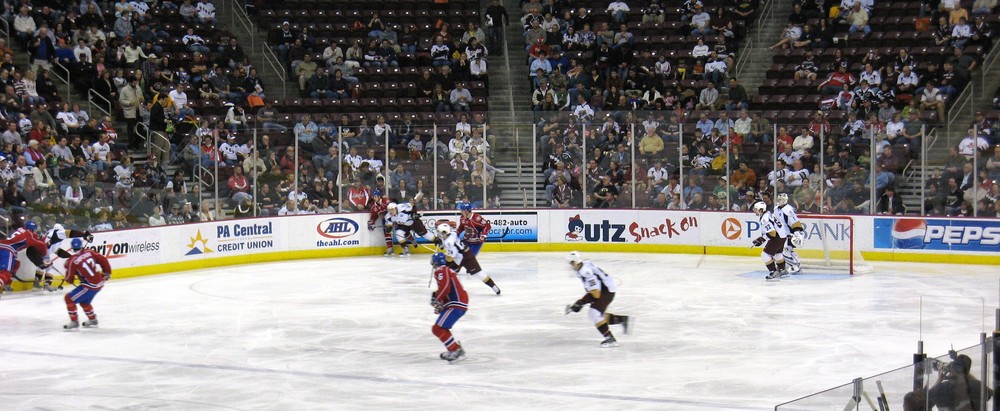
column 90, row 267
column 358, row 196
column 450, row 292
column 378, row 209
column 22, row 239
column 476, row 228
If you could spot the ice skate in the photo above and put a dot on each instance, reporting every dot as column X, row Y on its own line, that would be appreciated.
column 405, row 253
column 389, row 252
column 496, row 289
column 51, row 288
column 453, row 356
column 90, row 323
column 782, row 273
column 7, row 288
column 37, row 285
column 609, row 342
column 772, row 276
column 626, row 326
column 71, row 326
column 794, row 269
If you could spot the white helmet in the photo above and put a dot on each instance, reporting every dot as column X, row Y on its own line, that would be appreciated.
column 444, row 229
column 574, row 257
column 391, row 207
column 781, row 200
column 759, row 208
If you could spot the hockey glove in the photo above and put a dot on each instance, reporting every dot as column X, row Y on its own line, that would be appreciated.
column 797, row 239
column 575, row 307
column 759, row 241
column 371, row 226
column 88, row 236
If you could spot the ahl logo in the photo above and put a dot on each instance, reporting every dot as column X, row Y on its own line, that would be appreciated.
column 337, row 227
column 732, row 228
column 195, row 249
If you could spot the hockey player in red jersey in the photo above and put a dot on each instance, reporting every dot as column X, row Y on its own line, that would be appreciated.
column 459, row 255
column 378, row 208
column 92, row 269
column 450, row 303
column 24, row 238
column 475, row 227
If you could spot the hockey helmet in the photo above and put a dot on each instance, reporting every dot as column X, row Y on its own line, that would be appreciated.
column 30, row 226
column 759, row 208
column 391, row 208
column 58, row 227
column 76, row 244
column 574, row 258
column 438, row 259
column 465, row 206
column 445, row 229
column 376, row 193
column 781, row 200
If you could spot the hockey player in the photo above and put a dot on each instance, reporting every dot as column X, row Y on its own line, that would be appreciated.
column 450, row 303
column 460, row 255
column 93, row 270
column 24, row 238
column 405, row 222
column 54, row 238
column 378, row 208
column 784, row 213
column 474, row 227
column 601, row 290
column 773, row 236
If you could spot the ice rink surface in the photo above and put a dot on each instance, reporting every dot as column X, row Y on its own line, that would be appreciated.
column 354, row 333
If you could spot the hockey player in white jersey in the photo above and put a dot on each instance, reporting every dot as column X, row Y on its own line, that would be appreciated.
column 405, row 222
column 794, row 230
column 460, row 255
column 601, row 289
column 53, row 239
column 774, row 237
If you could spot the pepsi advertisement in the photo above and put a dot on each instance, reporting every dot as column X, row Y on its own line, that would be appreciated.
column 937, row 234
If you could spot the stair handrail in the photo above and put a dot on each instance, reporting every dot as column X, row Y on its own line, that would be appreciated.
column 90, row 102
column 967, row 96
column 67, row 79
column 240, row 14
column 746, row 55
column 276, row 66
column 5, row 30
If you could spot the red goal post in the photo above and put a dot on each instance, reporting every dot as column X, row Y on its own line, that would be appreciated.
column 829, row 244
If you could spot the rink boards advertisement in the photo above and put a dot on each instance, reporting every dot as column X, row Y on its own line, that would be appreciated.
column 505, row 227
column 200, row 245
column 936, row 234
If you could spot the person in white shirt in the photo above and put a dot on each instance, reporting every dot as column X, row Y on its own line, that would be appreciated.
column 583, row 111
column 353, row 159
column 700, row 49
column 195, row 43
column 228, row 151
column 82, row 51
column 803, row 142
column 894, row 127
column 101, row 151
column 157, row 219
column 68, row 120
column 961, row 33
column 907, row 80
column 618, row 11
column 657, row 174
column 178, row 97
column 206, row 12
column 701, row 23
column 874, row 77
column 969, row 144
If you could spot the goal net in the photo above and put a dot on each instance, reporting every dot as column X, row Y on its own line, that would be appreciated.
column 829, row 245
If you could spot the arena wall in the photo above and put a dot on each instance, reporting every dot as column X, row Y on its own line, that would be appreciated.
column 164, row 249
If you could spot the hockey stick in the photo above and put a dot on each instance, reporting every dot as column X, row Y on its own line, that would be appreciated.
column 883, row 403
